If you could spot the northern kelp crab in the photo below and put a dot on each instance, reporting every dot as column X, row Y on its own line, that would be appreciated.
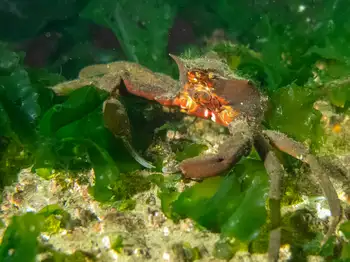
column 208, row 89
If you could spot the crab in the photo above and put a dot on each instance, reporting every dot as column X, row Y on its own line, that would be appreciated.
column 208, row 89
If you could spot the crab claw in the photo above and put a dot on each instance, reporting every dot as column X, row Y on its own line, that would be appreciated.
column 230, row 152
column 142, row 82
column 156, row 86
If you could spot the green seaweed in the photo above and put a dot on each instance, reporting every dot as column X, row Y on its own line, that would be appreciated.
column 167, row 193
column 106, row 172
column 128, row 185
column 118, row 244
column 22, row 102
column 141, row 33
column 315, row 247
column 19, row 242
column 9, row 59
column 345, row 251
column 303, row 126
column 233, row 205
column 345, row 229
column 80, row 103
column 19, row 105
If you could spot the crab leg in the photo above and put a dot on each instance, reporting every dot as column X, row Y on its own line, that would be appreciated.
column 107, row 83
column 101, row 70
column 299, row 151
column 65, row 88
column 275, row 171
column 117, row 121
column 230, row 152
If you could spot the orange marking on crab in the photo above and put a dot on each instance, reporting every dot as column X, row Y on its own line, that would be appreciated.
column 198, row 98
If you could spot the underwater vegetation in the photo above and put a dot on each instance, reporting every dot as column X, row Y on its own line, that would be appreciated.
column 295, row 53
